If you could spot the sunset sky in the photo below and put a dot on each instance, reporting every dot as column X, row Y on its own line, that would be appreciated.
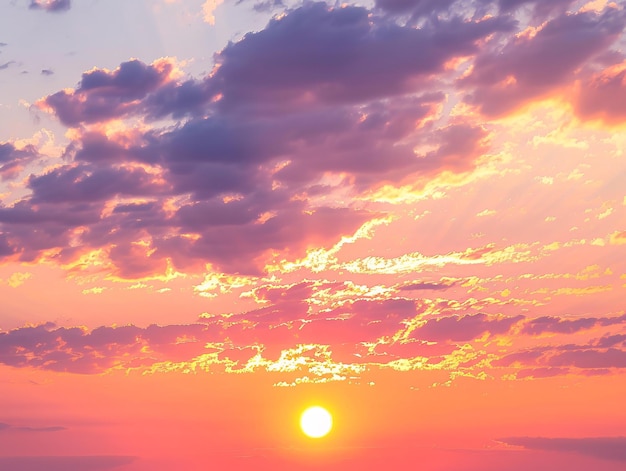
column 214, row 214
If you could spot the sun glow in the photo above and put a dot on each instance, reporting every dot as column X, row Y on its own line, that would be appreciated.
column 316, row 422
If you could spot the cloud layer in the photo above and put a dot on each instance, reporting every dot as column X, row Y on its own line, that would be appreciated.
column 237, row 170
column 321, row 317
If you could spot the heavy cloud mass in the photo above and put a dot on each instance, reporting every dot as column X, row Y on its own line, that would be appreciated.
column 321, row 100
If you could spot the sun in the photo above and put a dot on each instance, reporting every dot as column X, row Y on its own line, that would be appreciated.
column 316, row 422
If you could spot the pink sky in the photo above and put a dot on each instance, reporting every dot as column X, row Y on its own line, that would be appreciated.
column 215, row 214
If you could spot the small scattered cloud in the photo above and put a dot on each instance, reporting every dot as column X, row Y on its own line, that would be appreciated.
column 18, row 279
column 47, row 72
column 208, row 10
column 6, row 65
column 14, row 159
column 51, row 6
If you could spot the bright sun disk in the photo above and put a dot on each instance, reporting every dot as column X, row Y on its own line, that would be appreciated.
column 316, row 422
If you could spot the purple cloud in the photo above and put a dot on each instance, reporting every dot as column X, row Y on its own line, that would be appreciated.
column 52, row 6
column 313, row 55
column 548, row 324
column 541, row 8
column 102, row 95
column 11, row 428
column 541, row 372
column 319, row 92
column 78, row 351
column 12, row 160
column 416, row 7
column 290, row 319
column 603, row 96
column 608, row 448
column 320, row 55
column 285, row 323
column 6, row 65
column 610, row 358
column 529, row 67
column 64, row 463
column 425, row 285
column 611, row 341
column 463, row 328
column 596, row 357
column 545, row 324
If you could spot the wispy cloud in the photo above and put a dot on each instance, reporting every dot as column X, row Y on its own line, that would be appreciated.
column 63, row 463
column 608, row 448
